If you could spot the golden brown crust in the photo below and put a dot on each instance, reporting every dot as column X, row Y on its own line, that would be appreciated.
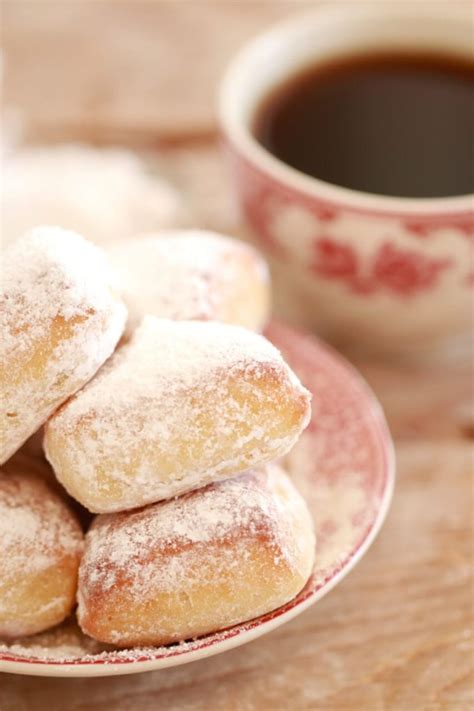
column 59, row 321
column 40, row 547
column 184, row 404
column 191, row 566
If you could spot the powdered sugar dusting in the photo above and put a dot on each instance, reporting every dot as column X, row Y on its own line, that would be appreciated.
column 191, row 547
column 193, row 274
column 233, row 508
column 343, row 507
column 36, row 528
column 183, row 404
column 67, row 643
column 21, row 527
column 59, row 321
column 37, row 531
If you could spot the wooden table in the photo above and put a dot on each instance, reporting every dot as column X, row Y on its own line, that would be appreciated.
column 396, row 635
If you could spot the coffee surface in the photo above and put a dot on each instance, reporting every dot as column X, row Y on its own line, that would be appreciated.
column 392, row 124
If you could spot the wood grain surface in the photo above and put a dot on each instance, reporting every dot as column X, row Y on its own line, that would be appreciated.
column 124, row 70
column 396, row 635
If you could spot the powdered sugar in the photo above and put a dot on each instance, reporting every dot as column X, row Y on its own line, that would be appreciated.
column 240, row 505
column 192, row 274
column 67, row 643
column 345, row 502
column 252, row 530
column 36, row 528
column 56, row 272
column 21, row 527
column 59, row 321
column 183, row 404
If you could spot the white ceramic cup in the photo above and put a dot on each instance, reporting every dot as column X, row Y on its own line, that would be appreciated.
column 381, row 274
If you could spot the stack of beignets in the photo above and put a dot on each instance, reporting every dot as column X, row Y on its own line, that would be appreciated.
column 184, row 421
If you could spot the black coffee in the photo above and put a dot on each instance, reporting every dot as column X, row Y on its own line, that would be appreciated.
column 394, row 124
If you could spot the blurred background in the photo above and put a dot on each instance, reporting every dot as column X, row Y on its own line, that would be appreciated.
column 135, row 72
column 397, row 635
column 139, row 75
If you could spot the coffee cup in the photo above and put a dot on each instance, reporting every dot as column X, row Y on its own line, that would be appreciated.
column 369, row 272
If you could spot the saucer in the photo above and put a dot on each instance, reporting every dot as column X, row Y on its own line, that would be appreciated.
column 343, row 465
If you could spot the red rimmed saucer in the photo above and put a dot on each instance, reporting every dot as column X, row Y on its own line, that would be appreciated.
column 344, row 466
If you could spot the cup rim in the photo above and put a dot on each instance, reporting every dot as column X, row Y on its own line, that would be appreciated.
column 240, row 136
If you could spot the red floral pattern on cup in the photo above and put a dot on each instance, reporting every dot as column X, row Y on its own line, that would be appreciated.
column 463, row 223
column 404, row 255
column 406, row 272
column 335, row 260
column 403, row 272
